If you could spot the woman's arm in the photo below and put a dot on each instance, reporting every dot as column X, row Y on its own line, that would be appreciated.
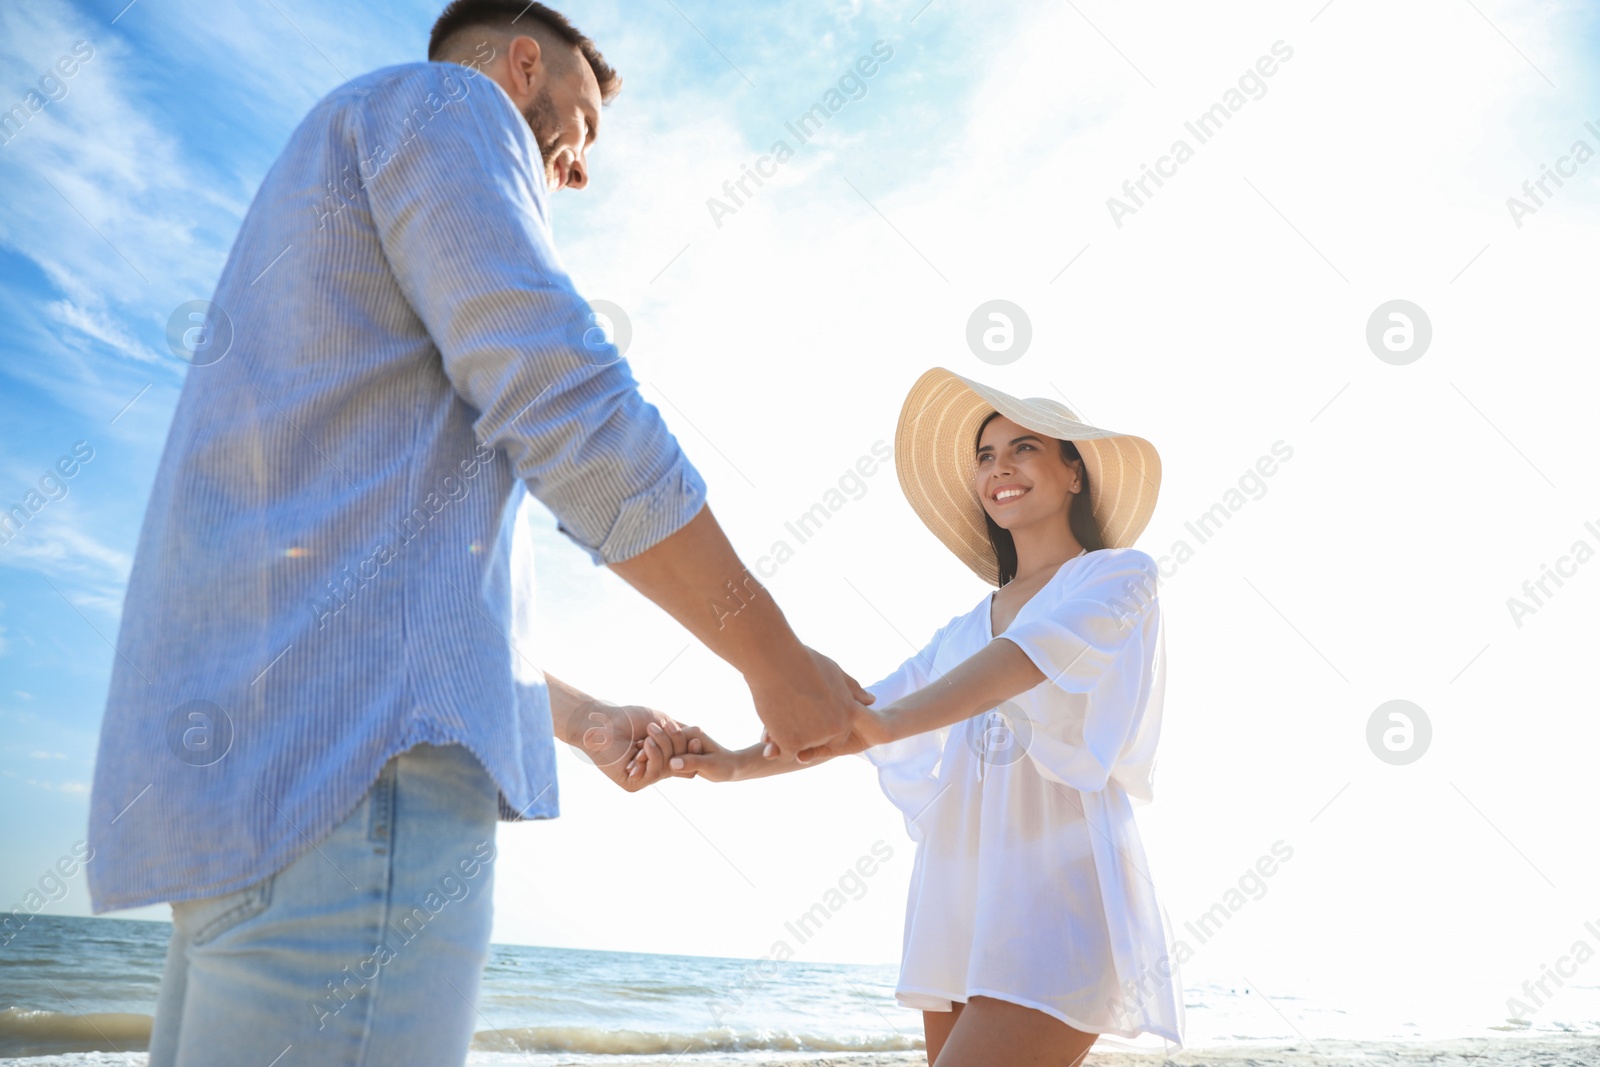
column 989, row 677
column 992, row 675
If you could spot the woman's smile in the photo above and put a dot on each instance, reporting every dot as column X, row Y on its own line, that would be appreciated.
column 1007, row 492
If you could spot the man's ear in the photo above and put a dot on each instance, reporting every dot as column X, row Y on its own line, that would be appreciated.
column 526, row 62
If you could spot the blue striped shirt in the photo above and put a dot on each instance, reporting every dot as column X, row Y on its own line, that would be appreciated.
column 394, row 354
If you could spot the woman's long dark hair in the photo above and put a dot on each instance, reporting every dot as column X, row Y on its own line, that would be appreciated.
column 1080, row 515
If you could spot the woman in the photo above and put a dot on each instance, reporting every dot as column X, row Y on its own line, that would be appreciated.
column 1016, row 741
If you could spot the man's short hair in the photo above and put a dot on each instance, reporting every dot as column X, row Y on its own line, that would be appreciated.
column 514, row 16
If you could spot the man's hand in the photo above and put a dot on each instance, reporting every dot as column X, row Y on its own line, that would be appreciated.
column 807, row 711
column 869, row 727
column 608, row 735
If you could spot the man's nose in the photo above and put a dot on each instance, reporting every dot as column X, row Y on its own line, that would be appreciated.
column 578, row 175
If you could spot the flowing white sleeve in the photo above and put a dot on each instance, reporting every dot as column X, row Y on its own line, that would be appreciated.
column 908, row 769
column 1096, row 635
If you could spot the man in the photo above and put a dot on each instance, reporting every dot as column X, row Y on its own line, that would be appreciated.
column 317, row 713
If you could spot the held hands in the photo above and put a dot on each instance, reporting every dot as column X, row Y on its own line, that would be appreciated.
column 699, row 756
column 808, row 717
column 807, row 710
column 612, row 737
column 868, row 727
column 637, row 746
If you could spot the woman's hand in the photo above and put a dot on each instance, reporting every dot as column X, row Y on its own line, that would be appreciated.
column 704, row 758
column 688, row 752
column 673, row 748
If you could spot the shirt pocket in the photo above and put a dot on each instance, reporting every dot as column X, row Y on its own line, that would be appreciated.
column 208, row 918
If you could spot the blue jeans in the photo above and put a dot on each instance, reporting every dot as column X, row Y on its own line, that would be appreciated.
column 367, row 949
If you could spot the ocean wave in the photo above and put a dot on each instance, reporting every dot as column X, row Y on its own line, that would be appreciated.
column 661, row 1043
column 41, row 1033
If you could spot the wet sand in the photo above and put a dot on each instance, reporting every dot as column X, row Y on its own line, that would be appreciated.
column 1465, row 1052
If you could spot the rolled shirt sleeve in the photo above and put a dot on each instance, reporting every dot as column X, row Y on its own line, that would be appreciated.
column 459, row 203
column 1094, row 636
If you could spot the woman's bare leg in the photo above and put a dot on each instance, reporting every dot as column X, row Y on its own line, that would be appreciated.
column 936, row 1026
column 997, row 1033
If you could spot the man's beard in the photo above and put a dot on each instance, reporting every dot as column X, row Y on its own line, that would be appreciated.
column 542, row 120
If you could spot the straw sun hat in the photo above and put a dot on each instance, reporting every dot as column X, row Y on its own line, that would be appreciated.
column 934, row 455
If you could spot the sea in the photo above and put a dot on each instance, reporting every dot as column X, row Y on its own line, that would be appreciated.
column 75, row 990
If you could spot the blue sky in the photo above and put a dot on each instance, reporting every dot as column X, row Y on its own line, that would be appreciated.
column 123, row 197
column 1226, row 314
column 124, row 193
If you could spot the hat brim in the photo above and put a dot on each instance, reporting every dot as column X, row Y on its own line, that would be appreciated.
column 936, row 461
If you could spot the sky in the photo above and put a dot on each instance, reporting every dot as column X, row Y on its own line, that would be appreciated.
column 1235, row 314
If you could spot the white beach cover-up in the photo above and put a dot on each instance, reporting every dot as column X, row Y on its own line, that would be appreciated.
column 1030, row 882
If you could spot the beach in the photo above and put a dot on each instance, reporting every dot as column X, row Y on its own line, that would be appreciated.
column 82, row 991
column 1510, row 1052
column 1491, row 1052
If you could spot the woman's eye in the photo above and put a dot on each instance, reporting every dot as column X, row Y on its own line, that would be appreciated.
column 1022, row 446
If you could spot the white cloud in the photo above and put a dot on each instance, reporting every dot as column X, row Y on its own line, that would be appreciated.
column 104, row 198
column 96, row 323
column 57, row 545
column 73, row 788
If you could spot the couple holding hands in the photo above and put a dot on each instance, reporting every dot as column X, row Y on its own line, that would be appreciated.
column 292, row 782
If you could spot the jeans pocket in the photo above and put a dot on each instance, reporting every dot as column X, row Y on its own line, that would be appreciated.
column 210, row 917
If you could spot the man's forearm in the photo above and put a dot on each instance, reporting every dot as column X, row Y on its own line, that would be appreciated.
column 803, row 698
column 696, row 577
